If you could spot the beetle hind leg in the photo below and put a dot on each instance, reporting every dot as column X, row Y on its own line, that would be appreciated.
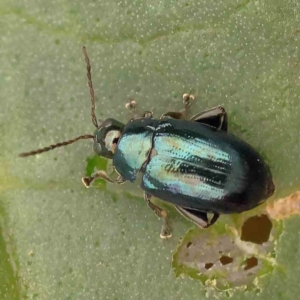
column 215, row 117
column 198, row 217
column 165, row 230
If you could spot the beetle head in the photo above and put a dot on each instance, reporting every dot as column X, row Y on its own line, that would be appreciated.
column 107, row 136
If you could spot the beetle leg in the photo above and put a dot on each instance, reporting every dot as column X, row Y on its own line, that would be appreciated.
column 187, row 101
column 172, row 115
column 197, row 217
column 147, row 114
column 214, row 219
column 131, row 105
column 165, row 230
column 215, row 117
column 103, row 175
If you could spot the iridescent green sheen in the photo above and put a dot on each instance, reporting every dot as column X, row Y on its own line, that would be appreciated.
column 193, row 165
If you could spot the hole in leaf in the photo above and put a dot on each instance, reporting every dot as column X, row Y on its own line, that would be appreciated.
column 208, row 266
column 219, row 256
column 225, row 260
column 256, row 229
column 250, row 263
column 189, row 244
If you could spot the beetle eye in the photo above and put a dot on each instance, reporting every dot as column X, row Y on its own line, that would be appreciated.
column 111, row 139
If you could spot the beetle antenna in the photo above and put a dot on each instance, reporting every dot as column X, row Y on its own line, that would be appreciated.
column 90, row 83
column 51, row 147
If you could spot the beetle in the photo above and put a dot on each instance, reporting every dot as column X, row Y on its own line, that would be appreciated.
column 194, row 164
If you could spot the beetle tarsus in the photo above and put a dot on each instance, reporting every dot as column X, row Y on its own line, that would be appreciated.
column 187, row 100
column 165, row 232
column 131, row 105
column 87, row 181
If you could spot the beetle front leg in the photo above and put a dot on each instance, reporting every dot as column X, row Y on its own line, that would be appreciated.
column 103, row 175
column 165, row 230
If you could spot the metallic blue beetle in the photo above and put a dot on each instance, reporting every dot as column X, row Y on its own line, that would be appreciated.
column 194, row 164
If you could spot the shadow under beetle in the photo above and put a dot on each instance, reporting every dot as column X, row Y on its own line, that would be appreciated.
column 194, row 164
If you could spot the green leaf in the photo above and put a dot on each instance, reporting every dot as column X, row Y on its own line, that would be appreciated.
column 62, row 241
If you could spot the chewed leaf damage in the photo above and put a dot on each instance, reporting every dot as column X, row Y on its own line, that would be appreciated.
column 227, row 259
